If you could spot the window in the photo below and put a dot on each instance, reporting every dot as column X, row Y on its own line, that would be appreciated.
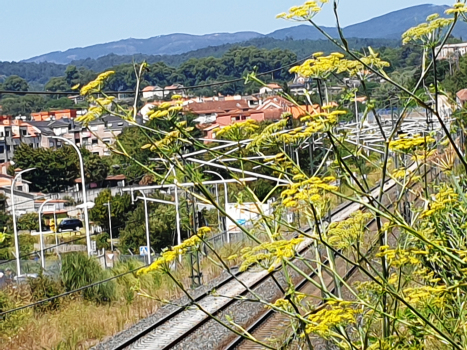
column 109, row 125
column 94, row 141
column 93, row 128
column 51, row 144
column 19, row 188
column 7, row 133
column 120, row 124
column 106, row 140
column 243, row 117
column 2, row 149
column 8, row 148
column 1, row 134
column 24, row 132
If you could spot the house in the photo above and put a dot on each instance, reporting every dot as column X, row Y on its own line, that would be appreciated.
column 95, row 137
column 175, row 89
column 14, row 131
column 269, row 89
column 151, row 92
column 54, row 115
column 300, row 85
column 24, row 200
column 449, row 51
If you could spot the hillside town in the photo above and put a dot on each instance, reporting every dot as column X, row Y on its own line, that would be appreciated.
column 298, row 189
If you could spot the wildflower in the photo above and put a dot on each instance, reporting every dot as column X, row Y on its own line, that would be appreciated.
column 427, row 33
column 269, row 254
column 346, row 233
column 304, row 12
column 326, row 320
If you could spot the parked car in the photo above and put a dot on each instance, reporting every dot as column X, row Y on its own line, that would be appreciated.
column 70, row 224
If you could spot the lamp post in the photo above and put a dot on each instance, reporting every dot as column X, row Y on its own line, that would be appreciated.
column 83, row 184
column 146, row 219
column 110, row 226
column 18, row 267
column 41, row 236
column 226, row 201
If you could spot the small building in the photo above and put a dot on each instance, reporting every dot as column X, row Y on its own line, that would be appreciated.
column 270, row 89
column 450, row 51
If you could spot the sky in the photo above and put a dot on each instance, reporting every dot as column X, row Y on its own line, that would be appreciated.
column 34, row 27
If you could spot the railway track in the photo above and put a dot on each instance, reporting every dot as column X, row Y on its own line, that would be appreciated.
column 173, row 328
column 269, row 324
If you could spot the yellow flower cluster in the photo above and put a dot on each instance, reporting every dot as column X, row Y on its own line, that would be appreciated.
column 320, row 67
column 308, row 190
column 169, row 255
column 458, row 8
column 346, row 233
column 399, row 257
column 166, row 110
column 407, row 144
column 268, row 136
column 427, row 33
column 238, row 131
column 92, row 114
column 400, row 173
column 97, row 84
column 426, row 295
column 304, row 12
column 269, row 254
column 444, row 199
column 324, row 322
column 286, row 305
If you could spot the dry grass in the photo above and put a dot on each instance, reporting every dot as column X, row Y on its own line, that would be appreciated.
column 79, row 324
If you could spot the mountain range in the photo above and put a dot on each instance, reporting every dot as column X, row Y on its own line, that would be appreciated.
column 388, row 26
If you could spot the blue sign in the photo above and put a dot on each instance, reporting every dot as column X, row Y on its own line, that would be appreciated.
column 241, row 221
column 143, row 250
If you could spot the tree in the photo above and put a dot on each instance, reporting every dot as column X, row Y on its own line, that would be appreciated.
column 57, row 84
column 120, row 209
column 29, row 221
column 96, row 169
column 15, row 83
column 71, row 75
column 60, row 103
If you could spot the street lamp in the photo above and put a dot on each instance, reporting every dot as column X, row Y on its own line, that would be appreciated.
column 40, row 232
column 83, row 184
column 226, row 200
column 146, row 217
column 18, row 267
column 110, row 226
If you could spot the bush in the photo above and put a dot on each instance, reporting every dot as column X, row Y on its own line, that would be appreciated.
column 102, row 241
column 78, row 270
column 128, row 281
column 45, row 287
column 11, row 298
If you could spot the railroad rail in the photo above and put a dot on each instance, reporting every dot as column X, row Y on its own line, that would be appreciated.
column 179, row 324
column 267, row 325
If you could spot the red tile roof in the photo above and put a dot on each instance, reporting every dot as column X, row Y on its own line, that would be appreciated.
column 217, row 106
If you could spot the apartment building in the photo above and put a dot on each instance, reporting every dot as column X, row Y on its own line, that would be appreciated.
column 94, row 138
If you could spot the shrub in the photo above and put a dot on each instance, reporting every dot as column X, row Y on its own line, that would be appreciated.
column 128, row 281
column 45, row 287
column 78, row 270
column 11, row 298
